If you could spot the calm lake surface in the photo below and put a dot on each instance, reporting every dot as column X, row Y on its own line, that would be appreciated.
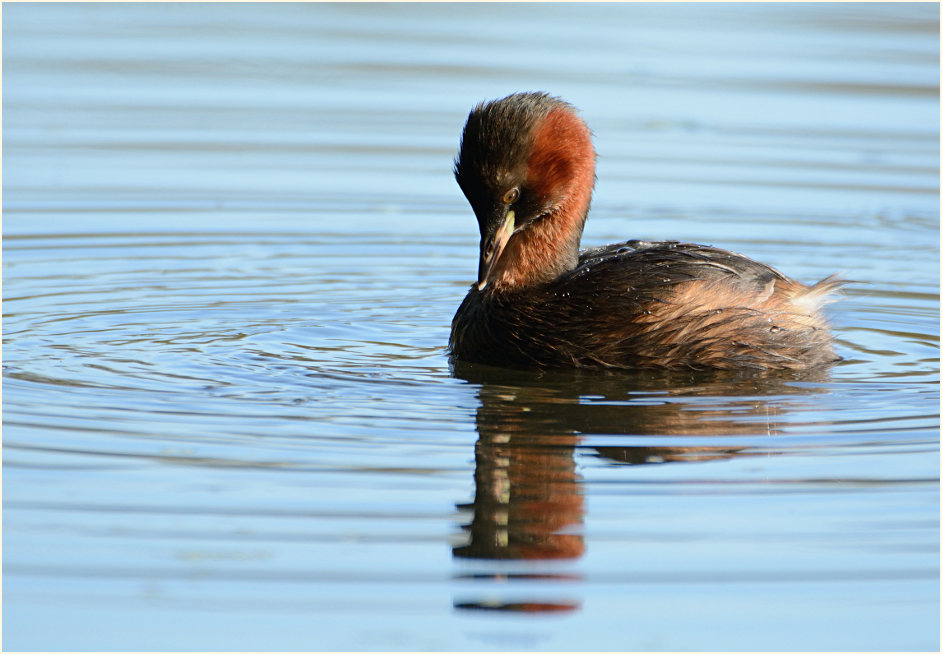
column 232, row 249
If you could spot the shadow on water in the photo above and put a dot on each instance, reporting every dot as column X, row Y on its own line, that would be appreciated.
column 529, row 502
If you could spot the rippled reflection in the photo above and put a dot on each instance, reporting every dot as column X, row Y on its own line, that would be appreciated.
column 529, row 498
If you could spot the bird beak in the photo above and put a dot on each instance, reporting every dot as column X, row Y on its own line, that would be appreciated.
column 492, row 247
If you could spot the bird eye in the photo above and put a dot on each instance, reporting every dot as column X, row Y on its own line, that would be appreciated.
column 511, row 196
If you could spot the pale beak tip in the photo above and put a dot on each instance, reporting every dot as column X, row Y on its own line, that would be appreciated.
column 481, row 285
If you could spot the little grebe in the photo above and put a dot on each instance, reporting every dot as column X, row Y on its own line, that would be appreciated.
column 527, row 167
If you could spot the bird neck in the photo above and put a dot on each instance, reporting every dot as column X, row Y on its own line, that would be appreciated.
column 561, row 170
column 546, row 248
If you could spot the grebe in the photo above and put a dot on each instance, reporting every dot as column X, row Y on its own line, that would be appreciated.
column 526, row 164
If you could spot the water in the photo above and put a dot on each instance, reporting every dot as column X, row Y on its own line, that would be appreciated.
column 232, row 248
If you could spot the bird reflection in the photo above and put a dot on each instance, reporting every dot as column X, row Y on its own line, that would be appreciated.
column 529, row 503
column 527, row 498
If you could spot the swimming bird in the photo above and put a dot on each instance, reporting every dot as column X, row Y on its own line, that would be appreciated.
column 526, row 164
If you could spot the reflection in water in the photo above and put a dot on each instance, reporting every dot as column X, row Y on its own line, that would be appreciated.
column 529, row 501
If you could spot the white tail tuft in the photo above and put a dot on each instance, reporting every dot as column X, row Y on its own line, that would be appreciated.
column 824, row 292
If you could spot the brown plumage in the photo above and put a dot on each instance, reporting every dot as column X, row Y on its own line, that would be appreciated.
column 527, row 167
